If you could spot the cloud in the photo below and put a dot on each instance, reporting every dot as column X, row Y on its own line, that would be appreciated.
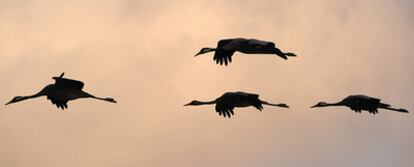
column 141, row 52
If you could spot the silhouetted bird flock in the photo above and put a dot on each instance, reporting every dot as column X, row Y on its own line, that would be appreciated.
column 64, row 90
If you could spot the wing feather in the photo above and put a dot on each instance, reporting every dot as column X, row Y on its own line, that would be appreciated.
column 65, row 83
column 224, row 109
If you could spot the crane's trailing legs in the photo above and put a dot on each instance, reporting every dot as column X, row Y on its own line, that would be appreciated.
column 283, row 55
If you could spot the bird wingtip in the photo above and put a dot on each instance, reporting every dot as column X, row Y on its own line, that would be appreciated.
column 7, row 103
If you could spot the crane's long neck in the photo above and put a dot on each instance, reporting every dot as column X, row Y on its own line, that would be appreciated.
column 207, row 102
column 205, row 50
column 208, row 49
column 45, row 91
column 325, row 104
column 31, row 96
column 334, row 104
column 22, row 98
column 199, row 103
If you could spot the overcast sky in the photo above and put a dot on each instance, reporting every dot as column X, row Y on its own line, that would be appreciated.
column 141, row 53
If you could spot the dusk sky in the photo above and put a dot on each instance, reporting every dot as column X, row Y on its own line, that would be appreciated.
column 141, row 53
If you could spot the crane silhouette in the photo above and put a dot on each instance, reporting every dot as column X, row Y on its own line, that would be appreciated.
column 62, row 91
column 228, row 101
column 358, row 103
column 226, row 48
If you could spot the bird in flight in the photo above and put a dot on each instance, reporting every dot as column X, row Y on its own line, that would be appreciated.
column 228, row 101
column 62, row 91
column 359, row 103
column 226, row 48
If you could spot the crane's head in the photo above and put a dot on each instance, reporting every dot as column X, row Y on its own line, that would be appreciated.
column 320, row 104
column 204, row 50
column 16, row 99
column 194, row 103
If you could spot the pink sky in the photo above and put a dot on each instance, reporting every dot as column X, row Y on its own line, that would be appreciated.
column 141, row 53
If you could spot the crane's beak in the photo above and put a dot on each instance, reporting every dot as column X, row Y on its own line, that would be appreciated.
column 187, row 104
column 314, row 106
column 197, row 54
column 8, row 103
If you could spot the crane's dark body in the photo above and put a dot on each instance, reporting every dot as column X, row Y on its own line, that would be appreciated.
column 360, row 103
column 238, row 99
column 227, row 47
column 61, row 92
column 226, row 103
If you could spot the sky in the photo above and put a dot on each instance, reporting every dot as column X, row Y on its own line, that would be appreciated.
column 141, row 53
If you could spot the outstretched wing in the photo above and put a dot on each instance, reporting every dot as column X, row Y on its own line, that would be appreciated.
column 256, row 103
column 225, row 50
column 224, row 109
column 362, row 102
column 223, row 42
column 368, row 98
column 256, row 42
column 223, row 56
column 251, row 95
column 59, row 103
column 65, row 83
column 372, row 104
column 253, row 99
